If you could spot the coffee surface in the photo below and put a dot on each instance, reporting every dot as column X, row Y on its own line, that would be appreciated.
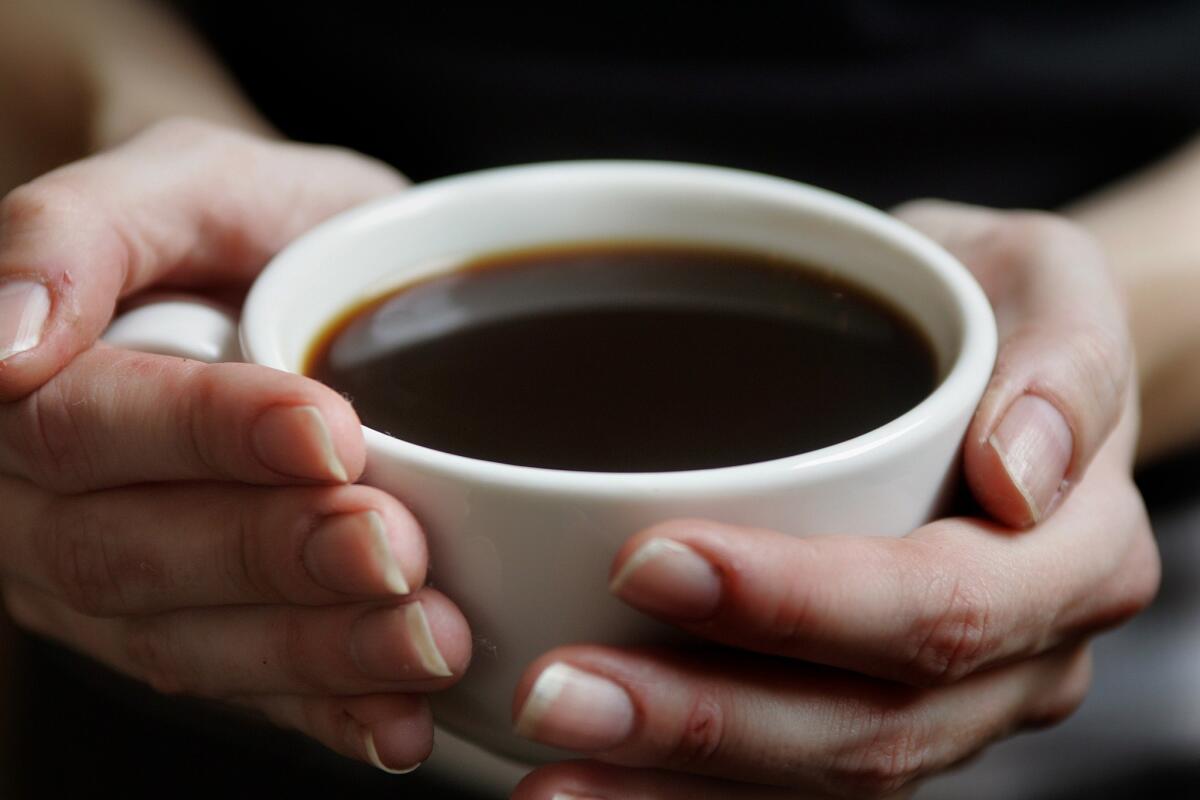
column 626, row 358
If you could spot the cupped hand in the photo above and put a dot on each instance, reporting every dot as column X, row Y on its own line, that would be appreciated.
column 193, row 525
column 856, row 666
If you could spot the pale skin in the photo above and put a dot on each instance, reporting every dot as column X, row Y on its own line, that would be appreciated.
column 971, row 628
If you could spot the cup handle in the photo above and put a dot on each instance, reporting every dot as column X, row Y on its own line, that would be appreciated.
column 179, row 325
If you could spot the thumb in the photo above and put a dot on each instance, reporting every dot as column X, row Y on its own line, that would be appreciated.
column 185, row 203
column 1062, row 373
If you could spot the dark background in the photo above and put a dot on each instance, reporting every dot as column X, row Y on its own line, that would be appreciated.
column 1011, row 103
column 1008, row 104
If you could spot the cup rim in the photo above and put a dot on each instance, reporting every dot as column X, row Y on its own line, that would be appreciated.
column 963, row 383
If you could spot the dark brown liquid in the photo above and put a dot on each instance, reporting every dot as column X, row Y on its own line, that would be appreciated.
column 627, row 359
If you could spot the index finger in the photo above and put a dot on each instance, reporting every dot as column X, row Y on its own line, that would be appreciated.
column 948, row 600
column 185, row 201
column 114, row 417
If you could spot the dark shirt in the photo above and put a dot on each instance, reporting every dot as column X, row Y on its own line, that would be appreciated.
column 1022, row 102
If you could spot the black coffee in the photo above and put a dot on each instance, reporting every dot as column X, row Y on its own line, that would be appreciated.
column 627, row 358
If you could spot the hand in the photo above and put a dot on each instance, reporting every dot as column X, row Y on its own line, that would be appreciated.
column 863, row 665
column 192, row 525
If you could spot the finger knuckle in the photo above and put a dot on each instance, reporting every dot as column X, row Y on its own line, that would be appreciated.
column 1142, row 566
column 1009, row 241
column 1039, row 231
column 40, row 204
column 379, row 174
column 701, row 732
column 203, row 440
column 151, row 657
column 1106, row 346
column 1146, row 570
column 51, row 441
column 294, row 658
column 1135, row 573
column 1017, row 239
column 245, row 563
column 1060, row 707
column 890, row 752
column 791, row 616
column 954, row 640
column 76, row 549
column 1098, row 360
column 1067, row 696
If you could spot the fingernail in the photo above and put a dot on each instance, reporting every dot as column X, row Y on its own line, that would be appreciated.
column 397, row 644
column 575, row 710
column 337, row 552
column 373, row 755
column 294, row 440
column 24, row 307
column 669, row 578
column 1034, row 444
column 421, row 636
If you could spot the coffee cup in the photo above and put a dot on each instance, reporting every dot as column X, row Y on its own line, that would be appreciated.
column 525, row 551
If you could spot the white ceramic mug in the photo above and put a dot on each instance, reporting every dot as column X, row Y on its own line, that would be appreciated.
column 525, row 552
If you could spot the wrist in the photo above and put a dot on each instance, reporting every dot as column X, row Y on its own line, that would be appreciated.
column 1146, row 229
column 140, row 65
